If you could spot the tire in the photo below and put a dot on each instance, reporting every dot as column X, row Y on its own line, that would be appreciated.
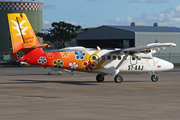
column 100, row 78
column 154, row 78
column 118, row 79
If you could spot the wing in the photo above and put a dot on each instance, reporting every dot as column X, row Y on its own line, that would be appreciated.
column 146, row 48
column 77, row 48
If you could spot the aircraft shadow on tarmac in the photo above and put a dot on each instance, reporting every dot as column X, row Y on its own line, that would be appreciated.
column 51, row 82
column 63, row 82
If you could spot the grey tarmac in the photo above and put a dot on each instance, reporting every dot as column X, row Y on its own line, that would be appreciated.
column 29, row 93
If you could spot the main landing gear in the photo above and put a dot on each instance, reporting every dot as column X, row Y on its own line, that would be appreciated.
column 117, row 78
column 100, row 78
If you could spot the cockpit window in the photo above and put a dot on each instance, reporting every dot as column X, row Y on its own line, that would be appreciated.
column 133, row 58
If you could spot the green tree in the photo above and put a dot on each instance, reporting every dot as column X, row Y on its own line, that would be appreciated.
column 60, row 33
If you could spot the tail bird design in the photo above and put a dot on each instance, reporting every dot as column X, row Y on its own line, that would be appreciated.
column 19, row 26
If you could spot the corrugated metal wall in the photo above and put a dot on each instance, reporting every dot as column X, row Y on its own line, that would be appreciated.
column 170, row 54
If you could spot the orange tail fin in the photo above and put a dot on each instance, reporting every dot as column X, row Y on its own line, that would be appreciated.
column 22, row 34
column 23, row 37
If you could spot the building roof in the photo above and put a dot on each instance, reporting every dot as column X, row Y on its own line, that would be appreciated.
column 145, row 28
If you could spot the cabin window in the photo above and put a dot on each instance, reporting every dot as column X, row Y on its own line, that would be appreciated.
column 139, row 58
column 103, row 57
column 94, row 57
column 119, row 57
column 108, row 57
column 114, row 57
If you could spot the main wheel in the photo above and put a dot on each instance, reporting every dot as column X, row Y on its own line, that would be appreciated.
column 100, row 78
column 154, row 78
column 118, row 79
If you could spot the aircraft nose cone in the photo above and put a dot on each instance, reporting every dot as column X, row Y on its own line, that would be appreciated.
column 164, row 65
column 169, row 66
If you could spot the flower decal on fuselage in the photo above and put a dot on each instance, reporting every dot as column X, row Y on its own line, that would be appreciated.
column 42, row 60
column 73, row 65
column 89, row 65
column 65, row 54
column 79, row 55
column 50, row 55
column 20, row 54
column 58, row 63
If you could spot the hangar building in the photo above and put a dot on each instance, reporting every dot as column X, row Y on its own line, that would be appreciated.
column 130, row 36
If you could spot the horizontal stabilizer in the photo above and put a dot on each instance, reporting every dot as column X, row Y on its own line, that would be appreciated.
column 36, row 46
column 77, row 48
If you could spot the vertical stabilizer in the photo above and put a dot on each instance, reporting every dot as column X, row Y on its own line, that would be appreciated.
column 25, row 44
column 22, row 34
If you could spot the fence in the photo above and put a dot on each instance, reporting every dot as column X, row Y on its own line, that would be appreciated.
column 6, row 56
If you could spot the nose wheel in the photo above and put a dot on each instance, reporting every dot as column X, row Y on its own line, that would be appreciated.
column 154, row 78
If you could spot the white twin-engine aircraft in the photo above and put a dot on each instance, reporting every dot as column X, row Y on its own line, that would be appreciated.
column 26, row 48
column 135, row 60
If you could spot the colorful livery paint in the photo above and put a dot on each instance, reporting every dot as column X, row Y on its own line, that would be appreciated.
column 26, row 48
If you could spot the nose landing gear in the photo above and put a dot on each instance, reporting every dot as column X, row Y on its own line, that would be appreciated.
column 154, row 78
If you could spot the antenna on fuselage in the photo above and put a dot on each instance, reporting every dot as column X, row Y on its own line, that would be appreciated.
column 98, row 48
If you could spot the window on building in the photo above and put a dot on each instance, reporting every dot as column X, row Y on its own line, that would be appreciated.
column 125, row 43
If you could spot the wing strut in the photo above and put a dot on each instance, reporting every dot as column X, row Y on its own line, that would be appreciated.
column 115, row 71
column 124, row 58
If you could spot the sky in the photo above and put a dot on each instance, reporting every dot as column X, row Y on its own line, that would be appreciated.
column 95, row 13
